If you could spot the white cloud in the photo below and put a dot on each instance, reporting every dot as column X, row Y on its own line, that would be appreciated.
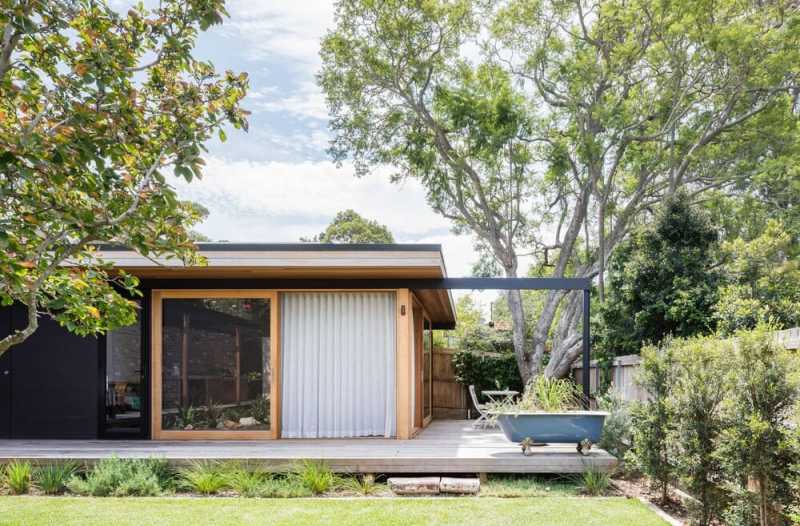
column 281, row 201
column 305, row 99
column 288, row 29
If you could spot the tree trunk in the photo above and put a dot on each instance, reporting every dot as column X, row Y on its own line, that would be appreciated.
column 514, row 298
column 20, row 336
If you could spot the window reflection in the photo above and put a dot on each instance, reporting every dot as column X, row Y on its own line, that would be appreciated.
column 215, row 364
column 124, row 382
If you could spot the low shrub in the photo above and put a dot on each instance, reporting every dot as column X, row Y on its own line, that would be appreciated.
column 120, row 477
column 315, row 476
column 247, row 482
column 52, row 479
column 362, row 485
column 18, row 477
column 616, row 437
column 206, row 478
column 282, row 488
column 595, row 482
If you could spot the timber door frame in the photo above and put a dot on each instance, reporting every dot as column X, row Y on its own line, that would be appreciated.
column 156, row 331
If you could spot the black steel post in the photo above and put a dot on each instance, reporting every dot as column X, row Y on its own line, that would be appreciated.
column 587, row 351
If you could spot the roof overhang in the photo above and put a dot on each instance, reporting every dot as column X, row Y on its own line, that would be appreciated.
column 297, row 265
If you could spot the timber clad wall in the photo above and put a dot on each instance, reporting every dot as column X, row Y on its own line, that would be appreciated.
column 449, row 396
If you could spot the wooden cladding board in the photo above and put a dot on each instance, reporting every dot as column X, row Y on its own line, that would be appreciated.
column 405, row 367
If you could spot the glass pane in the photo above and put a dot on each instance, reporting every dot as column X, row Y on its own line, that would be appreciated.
column 215, row 364
column 124, row 380
column 427, row 371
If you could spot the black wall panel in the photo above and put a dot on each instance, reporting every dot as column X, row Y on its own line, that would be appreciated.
column 5, row 377
column 54, row 381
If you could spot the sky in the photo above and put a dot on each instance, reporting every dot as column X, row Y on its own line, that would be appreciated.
column 276, row 182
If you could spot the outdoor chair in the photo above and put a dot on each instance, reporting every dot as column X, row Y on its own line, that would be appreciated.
column 482, row 420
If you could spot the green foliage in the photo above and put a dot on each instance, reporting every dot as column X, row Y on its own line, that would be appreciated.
column 247, row 482
column 214, row 413
column 652, row 421
column 259, row 409
column 756, row 442
column 661, row 281
column 486, row 360
column 283, row 488
column 595, row 481
column 548, row 394
column 616, row 437
column 97, row 110
column 52, row 479
column 315, row 476
column 361, row 485
column 122, row 477
column 697, row 393
column 573, row 119
column 17, row 476
column 187, row 415
column 762, row 282
column 350, row 227
column 205, row 478
column 470, row 321
column 720, row 418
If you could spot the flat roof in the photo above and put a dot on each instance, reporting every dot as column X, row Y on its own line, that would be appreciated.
column 299, row 247
column 228, row 263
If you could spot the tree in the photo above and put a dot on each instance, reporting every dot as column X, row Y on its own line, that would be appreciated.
column 652, row 421
column 201, row 214
column 762, row 282
column 699, row 389
column 553, row 126
column 661, row 281
column 96, row 110
column 759, row 441
column 350, row 227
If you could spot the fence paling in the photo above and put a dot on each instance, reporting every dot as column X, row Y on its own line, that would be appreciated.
column 449, row 397
column 623, row 369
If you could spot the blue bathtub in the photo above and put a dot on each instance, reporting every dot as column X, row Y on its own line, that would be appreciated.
column 569, row 426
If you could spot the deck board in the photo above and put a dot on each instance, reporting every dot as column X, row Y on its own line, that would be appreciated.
column 446, row 446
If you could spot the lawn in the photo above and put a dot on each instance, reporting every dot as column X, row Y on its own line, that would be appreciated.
column 542, row 511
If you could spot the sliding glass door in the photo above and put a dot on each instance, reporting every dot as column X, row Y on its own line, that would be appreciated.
column 213, row 364
column 124, row 382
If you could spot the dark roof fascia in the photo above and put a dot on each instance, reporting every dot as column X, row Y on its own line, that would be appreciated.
column 375, row 283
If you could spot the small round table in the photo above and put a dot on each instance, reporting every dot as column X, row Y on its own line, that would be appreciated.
column 503, row 396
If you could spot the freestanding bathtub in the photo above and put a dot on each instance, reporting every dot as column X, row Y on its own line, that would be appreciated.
column 569, row 426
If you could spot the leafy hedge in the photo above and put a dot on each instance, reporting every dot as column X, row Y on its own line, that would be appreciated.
column 486, row 360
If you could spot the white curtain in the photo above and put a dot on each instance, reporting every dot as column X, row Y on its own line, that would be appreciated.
column 337, row 364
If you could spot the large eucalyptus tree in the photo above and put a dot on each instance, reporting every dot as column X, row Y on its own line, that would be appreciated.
column 553, row 126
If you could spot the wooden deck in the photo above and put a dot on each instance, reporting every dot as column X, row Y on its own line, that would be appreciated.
column 446, row 446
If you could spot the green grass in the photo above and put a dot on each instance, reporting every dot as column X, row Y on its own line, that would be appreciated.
column 547, row 511
column 530, row 486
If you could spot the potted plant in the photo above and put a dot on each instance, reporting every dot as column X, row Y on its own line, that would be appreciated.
column 549, row 411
